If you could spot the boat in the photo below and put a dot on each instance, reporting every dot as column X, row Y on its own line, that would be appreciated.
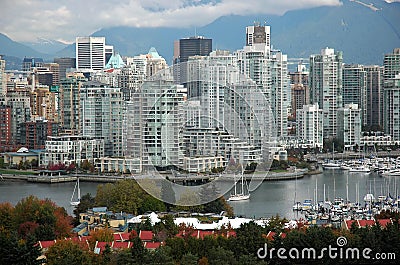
column 78, row 191
column 239, row 196
column 391, row 173
column 331, row 164
column 360, row 169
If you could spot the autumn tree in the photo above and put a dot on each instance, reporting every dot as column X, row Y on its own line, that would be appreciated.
column 67, row 252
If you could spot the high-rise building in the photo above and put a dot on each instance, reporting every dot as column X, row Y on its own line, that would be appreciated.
column 391, row 103
column 65, row 63
column 69, row 105
column 374, row 76
column 300, row 92
column 5, row 128
column 391, row 64
column 102, row 115
column 258, row 35
column 43, row 104
column 90, row 53
column 326, row 86
column 3, row 80
column 280, row 92
column 155, row 134
column 197, row 45
column 355, row 88
column 349, row 125
column 309, row 130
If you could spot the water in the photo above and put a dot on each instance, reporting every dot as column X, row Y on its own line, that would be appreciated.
column 271, row 198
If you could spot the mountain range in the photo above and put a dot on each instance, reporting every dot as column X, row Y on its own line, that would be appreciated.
column 363, row 31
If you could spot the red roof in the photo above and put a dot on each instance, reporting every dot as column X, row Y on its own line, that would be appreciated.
column 152, row 245
column 46, row 244
column 365, row 223
column 350, row 222
column 146, row 235
column 121, row 244
column 384, row 222
column 121, row 236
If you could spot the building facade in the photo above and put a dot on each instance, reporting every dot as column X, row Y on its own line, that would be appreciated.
column 101, row 109
column 90, row 53
column 310, row 129
column 349, row 125
column 326, row 86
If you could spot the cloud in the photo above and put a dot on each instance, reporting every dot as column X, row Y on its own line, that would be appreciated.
column 25, row 20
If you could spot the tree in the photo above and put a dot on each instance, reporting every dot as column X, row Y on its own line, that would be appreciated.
column 138, row 251
column 6, row 217
column 18, row 252
column 67, row 252
column 189, row 259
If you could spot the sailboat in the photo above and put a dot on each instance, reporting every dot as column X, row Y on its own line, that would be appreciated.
column 331, row 164
column 78, row 190
column 240, row 196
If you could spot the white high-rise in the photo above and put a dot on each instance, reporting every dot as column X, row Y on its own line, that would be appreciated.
column 326, row 86
column 90, row 53
column 310, row 126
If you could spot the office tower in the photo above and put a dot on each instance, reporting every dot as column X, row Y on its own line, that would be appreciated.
column 349, row 125
column 197, row 45
column 69, row 105
column 34, row 133
column 355, row 88
column 65, row 63
column 280, row 92
column 300, row 92
column 29, row 63
column 90, row 53
column 193, row 46
column 101, row 109
column 309, row 130
column 391, row 103
column 374, row 76
column 326, row 86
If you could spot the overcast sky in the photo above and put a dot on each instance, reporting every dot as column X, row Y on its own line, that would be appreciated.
column 25, row 20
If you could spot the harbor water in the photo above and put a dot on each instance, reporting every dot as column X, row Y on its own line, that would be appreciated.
column 269, row 199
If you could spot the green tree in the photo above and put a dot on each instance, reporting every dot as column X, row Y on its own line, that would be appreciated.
column 138, row 251
column 18, row 252
column 189, row 259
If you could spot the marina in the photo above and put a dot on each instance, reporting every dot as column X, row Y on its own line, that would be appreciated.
column 343, row 189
